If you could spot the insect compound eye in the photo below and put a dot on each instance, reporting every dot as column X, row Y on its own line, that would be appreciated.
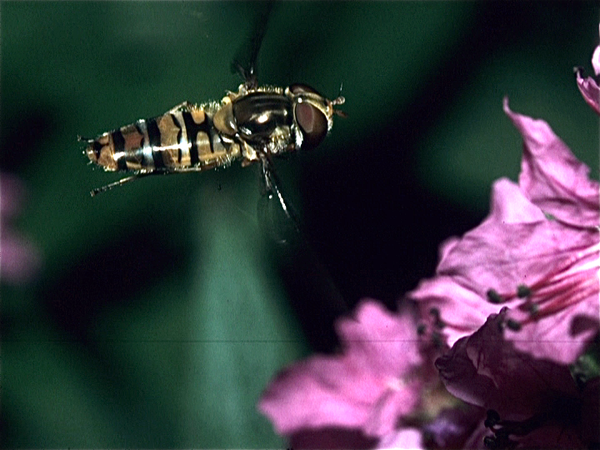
column 312, row 121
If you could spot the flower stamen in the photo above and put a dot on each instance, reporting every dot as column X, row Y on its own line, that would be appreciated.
column 571, row 281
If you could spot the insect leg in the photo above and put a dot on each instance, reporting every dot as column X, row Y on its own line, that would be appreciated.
column 120, row 182
column 136, row 176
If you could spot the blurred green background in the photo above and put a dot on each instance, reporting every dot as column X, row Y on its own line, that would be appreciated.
column 162, row 310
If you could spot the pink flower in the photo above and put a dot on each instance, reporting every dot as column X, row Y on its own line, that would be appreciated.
column 530, row 403
column 588, row 86
column 19, row 260
column 369, row 387
column 516, row 299
column 536, row 253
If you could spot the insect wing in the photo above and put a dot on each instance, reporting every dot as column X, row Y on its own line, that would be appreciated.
column 276, row 216
column 246, row 57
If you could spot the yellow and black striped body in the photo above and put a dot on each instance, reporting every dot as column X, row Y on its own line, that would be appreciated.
column 251, row 125
column 180, row 139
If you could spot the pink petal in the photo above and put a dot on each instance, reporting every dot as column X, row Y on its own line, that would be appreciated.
column 368, row 387
column 463, row 310
column 589, row 89
column 405, row 438
column 12, row 193
column 552, row 178
column 19, row 260
column 596, row 58
column 562, row 337
column 380, row 337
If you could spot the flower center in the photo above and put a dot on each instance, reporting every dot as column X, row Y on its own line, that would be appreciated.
column 568, row 283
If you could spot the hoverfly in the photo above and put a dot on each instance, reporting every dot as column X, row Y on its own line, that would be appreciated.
column 252, row 125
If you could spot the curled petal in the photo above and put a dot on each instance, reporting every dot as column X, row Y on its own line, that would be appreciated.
column 552, row 177
column 590, row 91
column 588, row 86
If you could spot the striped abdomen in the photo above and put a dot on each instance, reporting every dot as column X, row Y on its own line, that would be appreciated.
column 183, row 138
